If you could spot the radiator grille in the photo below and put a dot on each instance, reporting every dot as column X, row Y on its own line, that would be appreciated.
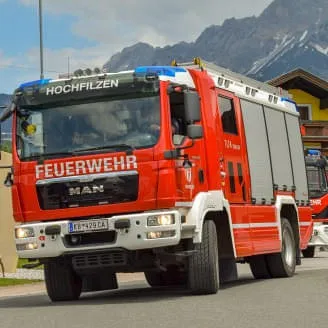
column 99, row 260
column 99, row 191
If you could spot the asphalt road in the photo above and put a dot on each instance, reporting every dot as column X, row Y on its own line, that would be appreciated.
column 301, row 301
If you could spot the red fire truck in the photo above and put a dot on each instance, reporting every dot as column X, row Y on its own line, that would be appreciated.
column 177, row 171
column 318, row 190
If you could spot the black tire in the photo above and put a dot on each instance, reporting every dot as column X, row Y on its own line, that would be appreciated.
column 259, row 267
column 283, row 264
column 309, row 252
column 62, row 283
column 203, row 273
column 171, row 277
column 154, row 278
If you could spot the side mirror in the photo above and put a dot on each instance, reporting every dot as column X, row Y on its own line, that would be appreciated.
column 8, row 181
column 194, row 131
column 322, row 163
column 7, row 111
column 192, row 106
column 4, row 115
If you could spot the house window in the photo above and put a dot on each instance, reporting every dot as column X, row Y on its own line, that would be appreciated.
column 305, row 112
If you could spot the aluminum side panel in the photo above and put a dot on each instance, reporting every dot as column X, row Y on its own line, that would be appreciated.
column 258, row 151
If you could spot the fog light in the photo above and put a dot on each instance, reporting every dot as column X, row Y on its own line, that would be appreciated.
column 154, row 234
column 22, row 232
column 160, row 220
column 31, row 246
column 26, row 247
column 160, row 234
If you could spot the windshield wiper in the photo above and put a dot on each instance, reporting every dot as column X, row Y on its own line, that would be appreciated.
column 47, row 155
column 128, row 148
column 37, row 157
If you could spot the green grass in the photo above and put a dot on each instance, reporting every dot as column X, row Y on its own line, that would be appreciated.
column 11, row 282
column 21, row 262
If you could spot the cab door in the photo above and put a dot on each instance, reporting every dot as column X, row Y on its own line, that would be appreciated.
column 233, row 159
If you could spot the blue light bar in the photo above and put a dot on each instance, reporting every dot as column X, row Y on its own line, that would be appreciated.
column 34, row 83
column 289, row 100
column 314, row 152
column 159, row 70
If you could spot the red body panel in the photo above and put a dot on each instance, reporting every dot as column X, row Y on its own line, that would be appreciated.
column 319, row 205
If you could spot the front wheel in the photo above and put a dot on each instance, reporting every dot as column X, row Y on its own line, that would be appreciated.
column 62, row 283
column 283, row 264
column 203, row 270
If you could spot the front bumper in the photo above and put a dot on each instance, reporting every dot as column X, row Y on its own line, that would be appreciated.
column 47, row 245
column 320, row 235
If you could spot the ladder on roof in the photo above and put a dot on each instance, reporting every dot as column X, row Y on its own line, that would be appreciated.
column 199, row 64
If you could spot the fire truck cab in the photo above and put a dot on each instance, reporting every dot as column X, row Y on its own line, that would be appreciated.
column 316, row 165
column 177, row 171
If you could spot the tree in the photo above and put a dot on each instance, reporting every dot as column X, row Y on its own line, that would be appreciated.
column 6, row 146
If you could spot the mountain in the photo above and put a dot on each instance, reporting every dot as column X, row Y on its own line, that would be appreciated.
column 287, row 35
column 4, row 100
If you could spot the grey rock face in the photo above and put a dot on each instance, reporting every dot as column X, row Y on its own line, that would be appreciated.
column 288, row 34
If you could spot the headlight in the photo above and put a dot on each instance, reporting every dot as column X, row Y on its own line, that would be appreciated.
column 22, row 232
column 160, row 220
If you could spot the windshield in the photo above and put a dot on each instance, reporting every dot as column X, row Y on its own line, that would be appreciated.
column 108, row 125
column 316, row 181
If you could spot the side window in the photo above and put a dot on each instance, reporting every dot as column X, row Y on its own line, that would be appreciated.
column 323, row 180
column 228, row 117
column 178, row 124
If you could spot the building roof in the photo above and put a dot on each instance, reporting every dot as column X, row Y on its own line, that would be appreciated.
column 306, row 81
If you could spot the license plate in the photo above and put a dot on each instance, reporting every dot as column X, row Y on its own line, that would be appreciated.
column 88, row 225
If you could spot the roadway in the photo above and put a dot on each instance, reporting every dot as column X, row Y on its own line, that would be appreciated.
column 299, row 302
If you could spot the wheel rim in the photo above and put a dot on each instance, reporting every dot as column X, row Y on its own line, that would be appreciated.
column 288, row 250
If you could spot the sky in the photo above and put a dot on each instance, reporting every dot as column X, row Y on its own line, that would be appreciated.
column 85, row 34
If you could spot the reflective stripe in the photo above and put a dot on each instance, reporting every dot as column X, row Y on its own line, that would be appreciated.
column 305, row 224
column 183, row 204
column 255, row 225
column 264, row 225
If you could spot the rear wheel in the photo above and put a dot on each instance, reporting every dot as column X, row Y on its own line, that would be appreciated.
column 259, row 267
column 203, row 272
column 171, row 277
column 309, row 252
column 283, row 264
column 62, row 283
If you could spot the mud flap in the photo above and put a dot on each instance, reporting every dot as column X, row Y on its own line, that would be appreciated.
column 98, row 282
column 298, row 257
column 228, row 270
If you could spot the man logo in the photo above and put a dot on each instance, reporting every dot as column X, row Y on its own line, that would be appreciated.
column 86, row 190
